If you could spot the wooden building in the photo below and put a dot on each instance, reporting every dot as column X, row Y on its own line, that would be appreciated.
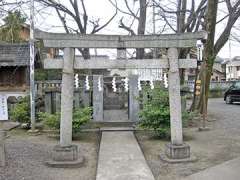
column 14, row 67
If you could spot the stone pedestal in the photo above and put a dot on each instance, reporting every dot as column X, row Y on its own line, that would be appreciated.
column 177, row 151
column 65, row 157
column 68, row 153
column 177, row 154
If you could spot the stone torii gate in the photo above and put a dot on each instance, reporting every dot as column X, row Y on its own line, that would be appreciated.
column 66, row 153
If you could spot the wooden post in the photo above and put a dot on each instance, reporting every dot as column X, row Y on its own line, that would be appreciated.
column 48, row 102
column 77, row 99
column 58, row 101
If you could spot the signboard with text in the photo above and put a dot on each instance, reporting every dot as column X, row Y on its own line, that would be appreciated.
column 3, row 108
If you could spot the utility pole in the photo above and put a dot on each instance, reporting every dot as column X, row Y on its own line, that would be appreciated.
column 32, row 56
column 154, row 28
column 230, row 58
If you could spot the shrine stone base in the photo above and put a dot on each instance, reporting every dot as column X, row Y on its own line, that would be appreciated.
column 65, row 157
column 177, row 153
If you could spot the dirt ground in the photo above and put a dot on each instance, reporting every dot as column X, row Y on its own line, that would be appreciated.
column 212, row 147
column 26, row 157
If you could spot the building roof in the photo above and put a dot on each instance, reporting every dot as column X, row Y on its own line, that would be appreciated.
column 236, row 58
column 219, row 60
column 14, row 54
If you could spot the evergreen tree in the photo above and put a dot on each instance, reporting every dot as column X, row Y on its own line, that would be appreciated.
column 10, row 31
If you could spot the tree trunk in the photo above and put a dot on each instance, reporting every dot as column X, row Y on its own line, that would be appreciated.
column 209, row 56
column 85, row 53
column 141, row 26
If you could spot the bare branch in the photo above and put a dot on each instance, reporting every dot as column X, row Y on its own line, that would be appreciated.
column 123, row 26
column 222, row 19
column 63, row 20
column 95, row 29
column 120, row 10
column 85, row 16
column 129, row 9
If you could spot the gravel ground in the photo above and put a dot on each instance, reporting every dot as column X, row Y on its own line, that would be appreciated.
column 26, row 156
column 212, row 147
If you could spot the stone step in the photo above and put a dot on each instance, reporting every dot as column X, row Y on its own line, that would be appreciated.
column 110, row 124
column 117, row 129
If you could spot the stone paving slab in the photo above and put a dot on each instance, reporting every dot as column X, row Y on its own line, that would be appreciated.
column 9, row 125
column 229, row 170
column 120, row 158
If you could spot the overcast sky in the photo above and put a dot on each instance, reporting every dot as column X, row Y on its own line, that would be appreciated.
column 102, row 9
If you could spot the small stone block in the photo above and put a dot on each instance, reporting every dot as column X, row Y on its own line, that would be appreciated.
column 68, row 153
column 35, row 132
column 177, row 151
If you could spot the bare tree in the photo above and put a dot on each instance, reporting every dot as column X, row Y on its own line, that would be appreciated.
column 6, row 6
column 213, row 46
column 138, row 15
column 180, row 17
column 78, row 13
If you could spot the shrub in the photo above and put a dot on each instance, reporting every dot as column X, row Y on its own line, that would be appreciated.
column 50, row 120
column 187, row 118
column 21, row 112
column 155, row 114
column 80, row 117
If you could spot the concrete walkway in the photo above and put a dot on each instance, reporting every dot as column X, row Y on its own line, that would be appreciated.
column 229, row 170
column 120, row 158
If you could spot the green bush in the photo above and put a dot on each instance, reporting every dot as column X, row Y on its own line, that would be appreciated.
column 187, row 118
column 80, row 117
column 21, row 112
column 50, row 120
column 155, row 113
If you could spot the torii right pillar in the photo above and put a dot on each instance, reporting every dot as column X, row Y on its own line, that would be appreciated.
column 176, row 150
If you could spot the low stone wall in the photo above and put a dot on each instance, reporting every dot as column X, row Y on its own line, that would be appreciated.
column 223, row 85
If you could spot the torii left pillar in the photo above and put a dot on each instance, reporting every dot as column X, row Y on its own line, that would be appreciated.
column 66, row 154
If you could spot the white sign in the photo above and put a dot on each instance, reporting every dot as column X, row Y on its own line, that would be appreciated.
column 3, row 108
column 149, row 74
